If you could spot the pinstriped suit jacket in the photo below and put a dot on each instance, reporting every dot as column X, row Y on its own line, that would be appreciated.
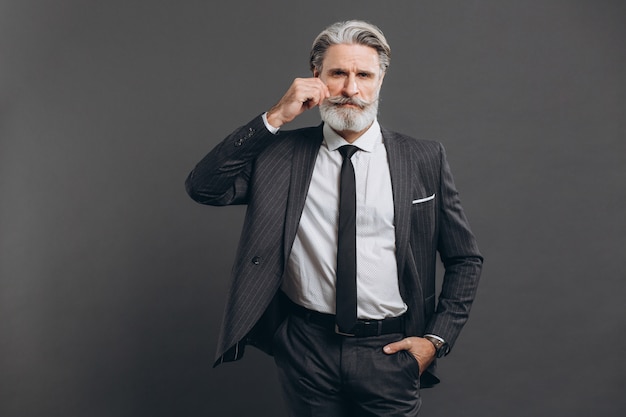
column 271, row 174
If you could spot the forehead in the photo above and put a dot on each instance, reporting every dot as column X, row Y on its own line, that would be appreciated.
column 351, row 56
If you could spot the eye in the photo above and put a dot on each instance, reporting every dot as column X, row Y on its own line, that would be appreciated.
column 338, row 73
column 364, row 75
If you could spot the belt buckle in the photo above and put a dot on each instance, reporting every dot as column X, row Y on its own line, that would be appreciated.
column 339, row 332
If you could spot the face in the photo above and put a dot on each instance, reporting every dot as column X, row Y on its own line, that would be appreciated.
column 353, row 76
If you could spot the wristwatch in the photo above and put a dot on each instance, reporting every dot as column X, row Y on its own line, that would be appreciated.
column 441, row 346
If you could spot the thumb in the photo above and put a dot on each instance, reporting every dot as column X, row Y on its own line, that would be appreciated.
column 395, row 347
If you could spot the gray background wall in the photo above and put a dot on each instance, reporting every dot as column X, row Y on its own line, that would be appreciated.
column 112, row 281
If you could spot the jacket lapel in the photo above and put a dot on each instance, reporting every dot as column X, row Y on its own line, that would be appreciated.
column 304, row 156
column 400, row 171
column 403, row 176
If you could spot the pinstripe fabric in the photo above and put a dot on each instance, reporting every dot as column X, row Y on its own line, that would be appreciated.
column 271, row 174
column 418, row 170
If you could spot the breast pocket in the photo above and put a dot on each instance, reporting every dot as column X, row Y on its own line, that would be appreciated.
column 423, row 215
column 423, row 199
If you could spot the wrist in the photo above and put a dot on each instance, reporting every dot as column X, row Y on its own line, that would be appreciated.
column 441, row 346
column 268, row 125
column 273, row 119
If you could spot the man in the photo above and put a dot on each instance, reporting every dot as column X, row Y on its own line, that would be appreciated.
column 335, row 271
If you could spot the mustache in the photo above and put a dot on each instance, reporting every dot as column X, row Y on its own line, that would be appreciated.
column 356, row 101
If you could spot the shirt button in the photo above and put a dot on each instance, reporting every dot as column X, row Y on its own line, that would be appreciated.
column 256, row 260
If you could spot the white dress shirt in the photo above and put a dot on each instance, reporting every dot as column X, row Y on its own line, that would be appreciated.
column 310, row 276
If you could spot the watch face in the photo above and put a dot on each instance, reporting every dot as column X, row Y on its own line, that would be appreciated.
column 443, row 350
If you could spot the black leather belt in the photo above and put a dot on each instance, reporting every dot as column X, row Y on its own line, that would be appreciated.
column 363, row 328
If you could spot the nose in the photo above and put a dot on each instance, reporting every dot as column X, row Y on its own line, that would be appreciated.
column 350, row 87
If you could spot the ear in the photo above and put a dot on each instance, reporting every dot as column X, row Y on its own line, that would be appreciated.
column 316, row 73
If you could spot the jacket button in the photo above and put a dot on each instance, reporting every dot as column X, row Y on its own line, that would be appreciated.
column 239, row 142
column 256, row 260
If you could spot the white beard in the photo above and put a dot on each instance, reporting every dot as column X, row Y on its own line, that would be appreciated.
column 351, row 119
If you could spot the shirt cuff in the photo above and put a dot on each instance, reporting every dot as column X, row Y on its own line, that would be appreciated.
column 435, row 337
column 269, row 127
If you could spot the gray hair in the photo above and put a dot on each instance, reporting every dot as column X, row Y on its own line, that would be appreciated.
column 350, row 32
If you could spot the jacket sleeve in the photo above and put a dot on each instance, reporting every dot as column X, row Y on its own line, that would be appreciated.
column 221, row 177
column 461, row 259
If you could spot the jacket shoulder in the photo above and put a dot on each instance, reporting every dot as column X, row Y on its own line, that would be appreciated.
column 410, row 140
column 413, row 148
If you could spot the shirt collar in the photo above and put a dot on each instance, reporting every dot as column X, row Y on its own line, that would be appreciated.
column 366, row 142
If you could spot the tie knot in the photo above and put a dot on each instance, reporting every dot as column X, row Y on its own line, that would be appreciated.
column 347, row 151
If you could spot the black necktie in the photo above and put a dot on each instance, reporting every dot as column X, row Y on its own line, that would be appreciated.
column 346, row 245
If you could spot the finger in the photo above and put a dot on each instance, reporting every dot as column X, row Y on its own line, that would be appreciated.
column 323, row 88
column 326, row 90
column 316, row 97
column 307, row 91
column 322, row 93
column 394, row 347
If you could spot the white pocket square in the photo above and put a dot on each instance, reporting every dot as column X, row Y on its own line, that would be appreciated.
column 423, row 200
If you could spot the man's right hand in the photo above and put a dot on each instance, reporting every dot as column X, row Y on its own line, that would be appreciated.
column 303, row 94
